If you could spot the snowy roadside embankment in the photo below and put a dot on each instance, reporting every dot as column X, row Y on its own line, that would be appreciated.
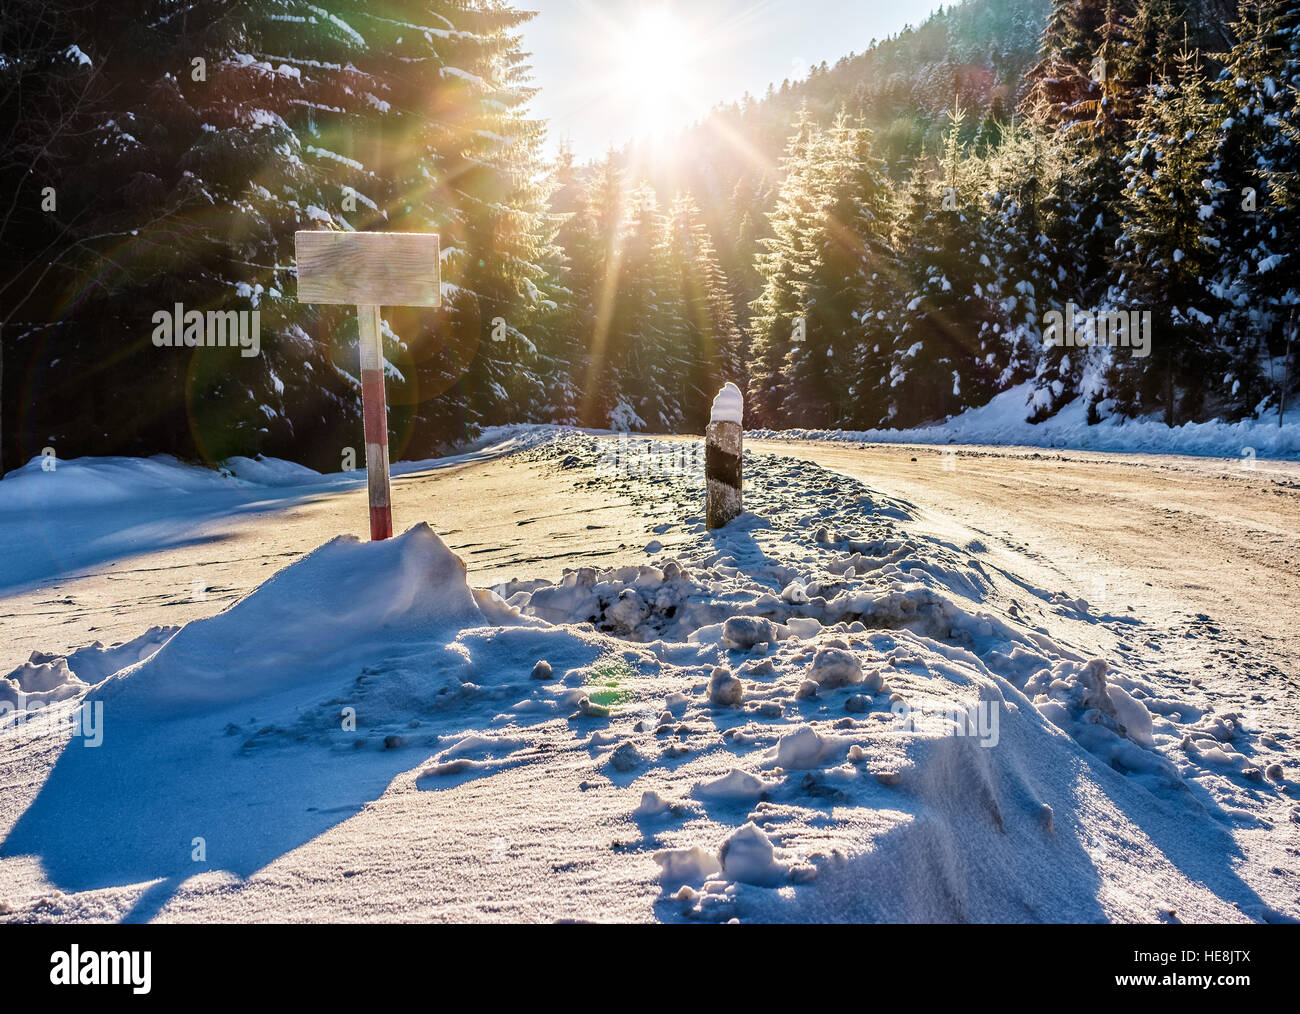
column 816, row 713
column 48, row 482
column 1002, row 423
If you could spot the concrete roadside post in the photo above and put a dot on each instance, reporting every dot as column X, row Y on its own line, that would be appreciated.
column 723, row 458
column 370, row 270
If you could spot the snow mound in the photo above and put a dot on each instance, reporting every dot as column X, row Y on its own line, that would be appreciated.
column 46, row 679
column 272, row 472
column 35, row 683
column 749, row 856
column 336, row 602
column 736, row 785
column 679, row 866
column 806, row 748
column 963, row 755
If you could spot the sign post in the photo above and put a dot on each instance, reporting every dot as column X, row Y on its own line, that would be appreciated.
column 370, row 270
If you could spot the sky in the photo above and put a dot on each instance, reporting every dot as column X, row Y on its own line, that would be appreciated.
column 602, row 65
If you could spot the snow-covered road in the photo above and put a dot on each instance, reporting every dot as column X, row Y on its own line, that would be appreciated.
column 1097, row 651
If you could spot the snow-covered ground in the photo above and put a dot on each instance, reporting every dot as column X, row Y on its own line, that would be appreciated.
column 833, row 709
column 1002, row 423
column 45, row 484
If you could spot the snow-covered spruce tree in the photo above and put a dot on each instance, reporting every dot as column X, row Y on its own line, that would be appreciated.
column 660, row 333
column 815, row 365
column 1064, row 75
column 1024, row 256
column 872, row 212
column 568, row 292
column 1166, row 250
column 1254, row 231
column 52, row 94
column 196, row 180
column 852, row 267
column 631, row 376
column 784, row 262
column 596, row 243
column 1081, row 195
column 703, row 333
column 942, row 359
column 744, row 224
column 992, row 128
column 656, row 336
column 1131, row 53
column 485, row 188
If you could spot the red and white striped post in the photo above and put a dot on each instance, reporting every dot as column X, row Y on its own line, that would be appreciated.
column 369, row 270
column 374, row 407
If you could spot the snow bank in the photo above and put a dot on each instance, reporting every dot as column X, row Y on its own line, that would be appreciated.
column 34, row 684
column 46, row 483
column 45, row 679
column 1002, row 422
column 982, row 722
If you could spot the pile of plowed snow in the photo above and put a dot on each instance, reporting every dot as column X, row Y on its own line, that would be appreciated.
column 311, row 618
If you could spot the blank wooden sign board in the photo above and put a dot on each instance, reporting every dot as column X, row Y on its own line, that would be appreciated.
column 370, row 270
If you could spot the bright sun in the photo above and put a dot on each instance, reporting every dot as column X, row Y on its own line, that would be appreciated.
column 654, row 68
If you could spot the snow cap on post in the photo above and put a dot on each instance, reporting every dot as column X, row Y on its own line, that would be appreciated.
column 729, row 405
column 723, row 452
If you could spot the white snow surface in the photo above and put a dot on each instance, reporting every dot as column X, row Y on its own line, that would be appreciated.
column 51, row 482
column 919, row 734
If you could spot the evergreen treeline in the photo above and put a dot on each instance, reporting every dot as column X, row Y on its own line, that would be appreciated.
column 881, row 244
column 1148, row 168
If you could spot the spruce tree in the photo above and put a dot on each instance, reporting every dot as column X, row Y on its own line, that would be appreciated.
column 852, row 269
column 1024, row 257
column 1166, row 250
column 1254, row 229
column 942, row 361
column 224, row 128
column 704, row 334
column 784, row 262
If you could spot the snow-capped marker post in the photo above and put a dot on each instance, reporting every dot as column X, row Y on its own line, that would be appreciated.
column 723, row 457
column 370, row 270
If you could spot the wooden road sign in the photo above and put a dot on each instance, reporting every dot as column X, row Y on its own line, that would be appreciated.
column 370, row 270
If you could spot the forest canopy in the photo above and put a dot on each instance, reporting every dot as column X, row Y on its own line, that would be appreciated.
column 886, row 243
